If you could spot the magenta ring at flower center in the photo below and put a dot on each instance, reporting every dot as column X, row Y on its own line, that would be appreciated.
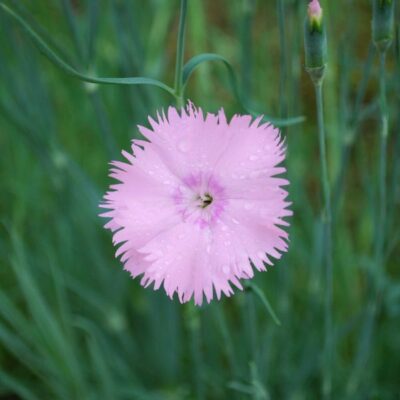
column 200, row 199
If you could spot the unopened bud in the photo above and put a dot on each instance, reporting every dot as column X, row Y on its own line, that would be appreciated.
column 315, row 42
column 315, row 14
column 382, row 23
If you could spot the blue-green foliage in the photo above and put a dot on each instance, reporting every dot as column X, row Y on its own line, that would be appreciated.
column 73, row 325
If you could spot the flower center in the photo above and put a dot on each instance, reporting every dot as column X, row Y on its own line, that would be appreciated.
column 205, row 200
column 200, row 199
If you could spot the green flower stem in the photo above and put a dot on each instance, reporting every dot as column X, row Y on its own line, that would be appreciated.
column 246, row 48
column 380, row 232
column 283, row 60
column 327, row 222
column 179, row 85
column 375, row 285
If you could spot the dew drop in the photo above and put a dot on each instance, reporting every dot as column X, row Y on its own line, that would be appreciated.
column 254, row 174
column 248, row 206
column 158, row 253
column 184, row 146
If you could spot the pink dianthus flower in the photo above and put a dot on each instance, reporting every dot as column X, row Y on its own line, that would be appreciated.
column 200, row 204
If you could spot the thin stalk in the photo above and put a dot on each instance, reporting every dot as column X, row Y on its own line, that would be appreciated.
column 374, row 302
column 283, row 59
column 352, row 129
column 247, row 13
column 68, row 69
column 103, row 121
column 179, row 87
column 67, row 7
column 327, row 223
column 380, row 232
column 96, row 100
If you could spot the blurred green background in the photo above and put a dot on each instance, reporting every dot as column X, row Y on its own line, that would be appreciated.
column 73, row 325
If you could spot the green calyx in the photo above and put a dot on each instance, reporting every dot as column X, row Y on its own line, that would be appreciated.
column 382, row 23
column 315, row 45
column 315, row 24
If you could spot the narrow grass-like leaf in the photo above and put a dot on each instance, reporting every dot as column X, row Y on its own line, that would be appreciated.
column 16, row 386
column 241, row 387
column 100, row 365
column 57, row 60
column 196, row 61
column 252, row 286
column 18, row 347
column 53, row 341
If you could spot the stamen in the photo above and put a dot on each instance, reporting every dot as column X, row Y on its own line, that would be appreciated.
column 206, row 200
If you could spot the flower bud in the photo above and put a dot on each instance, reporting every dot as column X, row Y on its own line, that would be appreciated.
column 315, row 14
column 315, row 42
column 382, row 23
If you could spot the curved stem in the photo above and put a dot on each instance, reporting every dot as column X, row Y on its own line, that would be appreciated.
column 327, row 223
column 59, row 62
column 179, row 86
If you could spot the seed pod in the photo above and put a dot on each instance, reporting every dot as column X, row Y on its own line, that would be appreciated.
column 382, row 23
column 315, row 42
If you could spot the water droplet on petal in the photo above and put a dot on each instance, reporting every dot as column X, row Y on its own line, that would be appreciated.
column 184, row 146
column 254, row 174
column 248, row 206
column 158, row 253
